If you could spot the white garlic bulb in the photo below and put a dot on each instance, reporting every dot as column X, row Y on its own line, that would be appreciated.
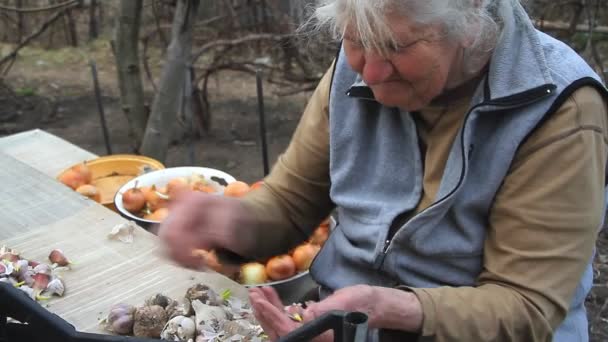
column 179, row 328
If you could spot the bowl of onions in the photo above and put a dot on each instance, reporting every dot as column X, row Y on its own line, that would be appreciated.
column 145, row 199
column 289, row 273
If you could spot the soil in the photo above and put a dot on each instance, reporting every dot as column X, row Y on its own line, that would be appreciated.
column 53, row 91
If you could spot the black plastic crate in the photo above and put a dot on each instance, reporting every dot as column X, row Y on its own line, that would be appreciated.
column 39, row 324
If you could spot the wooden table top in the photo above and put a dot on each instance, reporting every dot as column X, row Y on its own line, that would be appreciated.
column 38, row 214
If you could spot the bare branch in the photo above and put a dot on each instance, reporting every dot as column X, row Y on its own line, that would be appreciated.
column 38, row 32
column 238, row 41
column 39, row 9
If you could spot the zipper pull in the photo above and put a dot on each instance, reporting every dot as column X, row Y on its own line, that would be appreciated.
column 380, row 258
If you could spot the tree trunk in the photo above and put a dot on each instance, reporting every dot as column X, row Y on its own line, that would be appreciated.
column 72, row 29
column 167, row 100
column 129, row 72
column 93, row 26
column 20, row 25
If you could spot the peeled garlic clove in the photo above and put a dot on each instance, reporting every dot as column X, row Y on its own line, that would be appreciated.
column 57, row 257
column 41, row 281
column 55, row 286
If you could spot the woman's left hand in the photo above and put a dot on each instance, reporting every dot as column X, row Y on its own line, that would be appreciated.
column 271, row 314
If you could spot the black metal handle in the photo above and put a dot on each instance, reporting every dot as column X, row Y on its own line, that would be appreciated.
column 347, row 327
column 42, row 325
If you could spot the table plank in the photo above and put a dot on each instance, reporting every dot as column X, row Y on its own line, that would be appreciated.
column 38, row 214
column 43, row 151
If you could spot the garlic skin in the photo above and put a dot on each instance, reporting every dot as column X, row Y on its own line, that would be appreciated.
column 123, row 232
column 179, row 328
column 183, row 308
column 160, row 300
column 120, row 319
column 204, row 294
column 149, row 321
column 6, row 268
column 208, row 315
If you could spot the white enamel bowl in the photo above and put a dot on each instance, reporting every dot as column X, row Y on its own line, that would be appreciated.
column 216, row 178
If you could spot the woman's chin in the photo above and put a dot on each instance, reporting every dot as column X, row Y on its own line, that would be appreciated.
column 396, row 97
column 390, row 100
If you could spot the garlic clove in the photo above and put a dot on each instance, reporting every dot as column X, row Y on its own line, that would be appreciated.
column 55, row 286
column 41, row 281
column 20, row 268
column 9, row 254
column 43, row 269
column 57, row 257
column 28, row 278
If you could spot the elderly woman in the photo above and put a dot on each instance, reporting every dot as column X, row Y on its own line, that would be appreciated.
column 465, row 154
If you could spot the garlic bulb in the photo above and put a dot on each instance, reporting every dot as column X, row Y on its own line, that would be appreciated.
column 179, row 328
column 120, row 319
column 149, row 321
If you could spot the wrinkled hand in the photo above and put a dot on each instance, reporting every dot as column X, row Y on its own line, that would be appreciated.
column 202, row 221
column 269, row 310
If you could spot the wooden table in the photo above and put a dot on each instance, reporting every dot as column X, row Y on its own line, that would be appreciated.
column 38, row 214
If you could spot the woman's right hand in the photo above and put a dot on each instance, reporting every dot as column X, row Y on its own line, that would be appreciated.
column 209, row 222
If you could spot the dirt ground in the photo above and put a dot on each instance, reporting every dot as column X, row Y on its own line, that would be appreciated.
column 54, row 92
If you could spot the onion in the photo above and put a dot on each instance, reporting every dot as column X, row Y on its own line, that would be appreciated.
column 72, row 179
column 236, row 189
column 280, row 267
column 133, row 200
column 304, row 254
column 253, row 273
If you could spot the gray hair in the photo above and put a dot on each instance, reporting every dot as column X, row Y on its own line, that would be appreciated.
column 477, row 21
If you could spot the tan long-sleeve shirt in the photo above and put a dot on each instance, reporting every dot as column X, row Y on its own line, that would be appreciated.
column 541, row 228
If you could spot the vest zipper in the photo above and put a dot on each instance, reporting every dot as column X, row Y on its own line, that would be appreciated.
column 527, row 97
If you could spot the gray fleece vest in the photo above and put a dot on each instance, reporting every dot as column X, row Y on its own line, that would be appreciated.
column 376, row 173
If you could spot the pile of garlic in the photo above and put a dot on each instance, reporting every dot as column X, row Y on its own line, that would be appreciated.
column 38, row 280
column 202, row 315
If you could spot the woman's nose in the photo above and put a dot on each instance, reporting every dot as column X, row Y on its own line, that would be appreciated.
column 377, row 69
